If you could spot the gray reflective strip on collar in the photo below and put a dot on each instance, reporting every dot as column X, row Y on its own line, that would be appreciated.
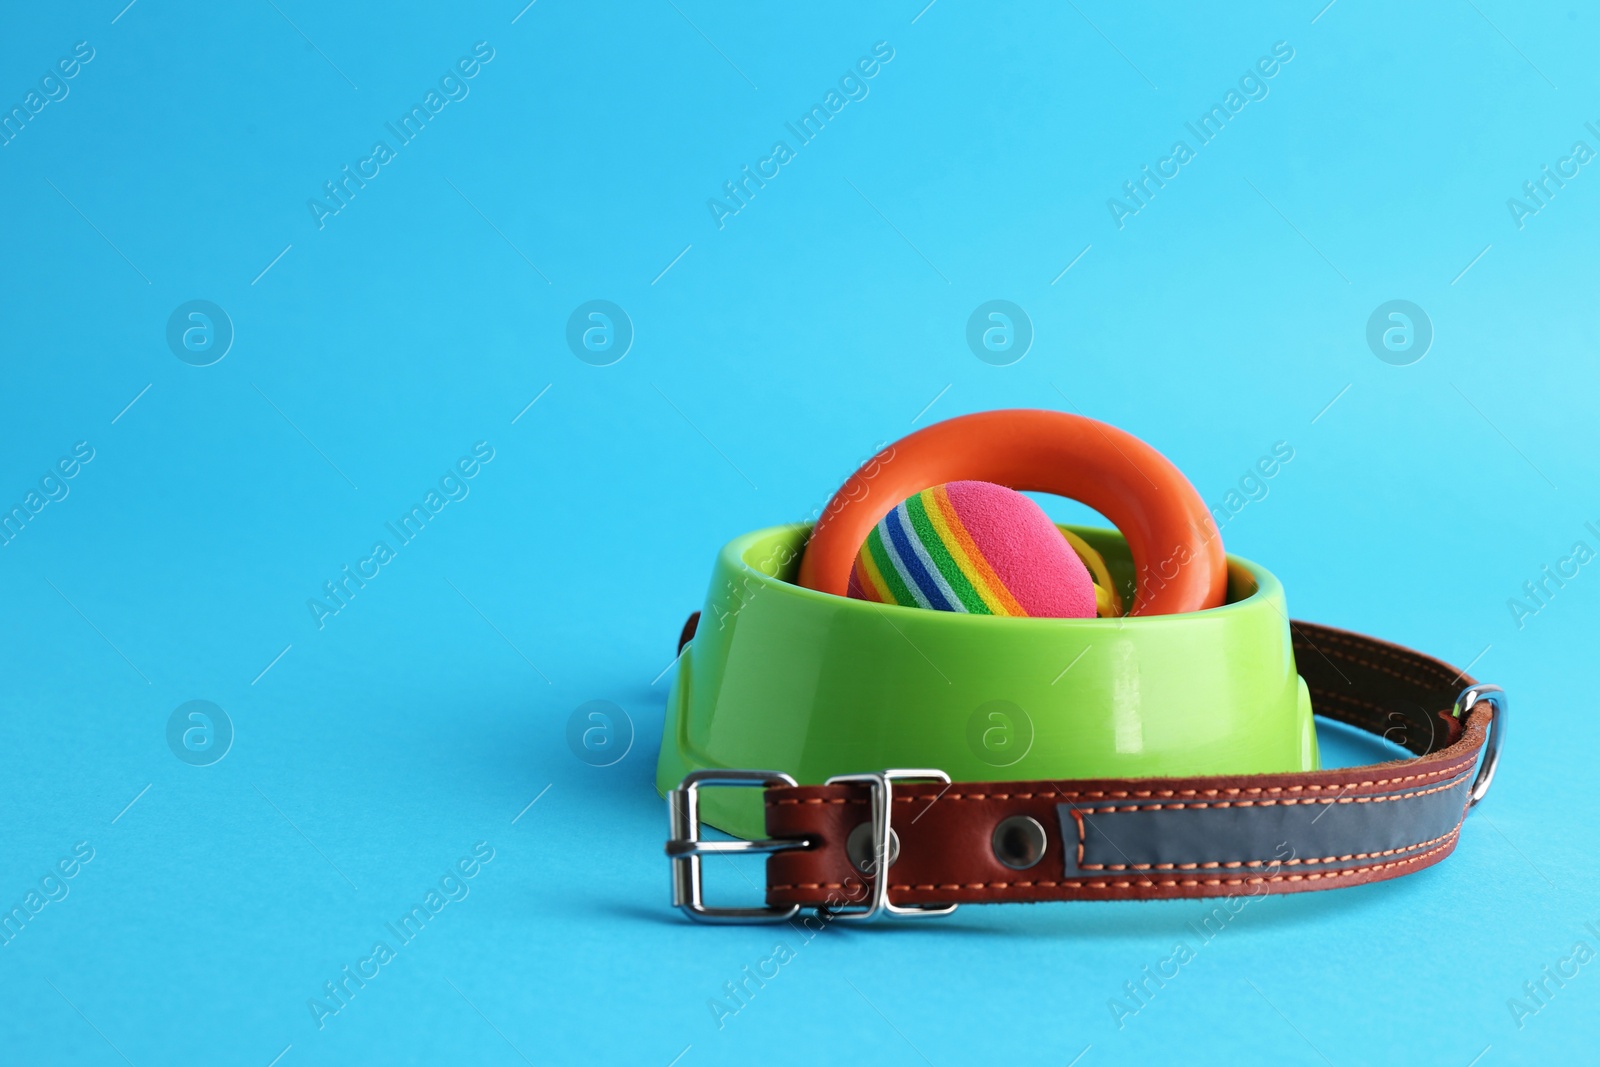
column 1304, row 833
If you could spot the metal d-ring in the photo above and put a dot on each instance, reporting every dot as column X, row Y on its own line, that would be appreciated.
column 1497, row 699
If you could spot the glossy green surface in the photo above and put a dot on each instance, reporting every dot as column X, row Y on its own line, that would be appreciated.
column 784, row 678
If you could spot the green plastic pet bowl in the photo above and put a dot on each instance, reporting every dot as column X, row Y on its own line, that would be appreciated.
column 783, row 678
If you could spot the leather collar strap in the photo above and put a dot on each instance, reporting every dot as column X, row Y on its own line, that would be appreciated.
column 1152, row 838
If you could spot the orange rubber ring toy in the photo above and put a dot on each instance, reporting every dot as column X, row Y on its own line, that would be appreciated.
column 1177, row 549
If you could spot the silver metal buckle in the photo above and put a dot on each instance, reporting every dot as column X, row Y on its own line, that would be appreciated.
column 882, row 805
column 685, row 847
column 1501, row 704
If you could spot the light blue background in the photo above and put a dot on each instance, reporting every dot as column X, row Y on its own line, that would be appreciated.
column 770, row 358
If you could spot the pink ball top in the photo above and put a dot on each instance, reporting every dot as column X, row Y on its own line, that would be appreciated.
column 973, row 547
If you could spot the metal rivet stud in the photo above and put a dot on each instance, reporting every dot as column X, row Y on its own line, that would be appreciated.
column 1019, row 842
column 858, row 846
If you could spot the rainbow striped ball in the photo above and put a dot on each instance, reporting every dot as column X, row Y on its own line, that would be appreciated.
column 975, row 547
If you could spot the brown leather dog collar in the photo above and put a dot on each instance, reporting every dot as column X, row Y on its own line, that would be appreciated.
column 1130, row 839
